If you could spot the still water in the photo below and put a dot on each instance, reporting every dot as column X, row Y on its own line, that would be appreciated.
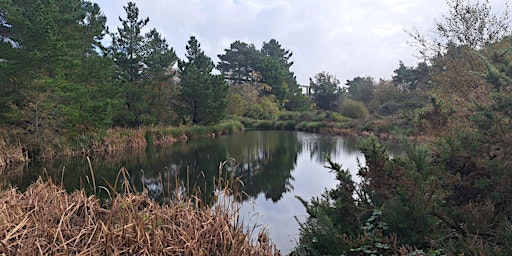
column 274, row 166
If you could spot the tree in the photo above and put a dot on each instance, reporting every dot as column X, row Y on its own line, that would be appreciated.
column 238, row 62
column 273, row 75
column 288, row 92
column 202, row 95
column 325, row 91
column 411, row 78
column 159, row 85
column 54, row 82
column 128, row 45
column 465, row 24
column 143, row 63
column 476, row 162
column 361, row 89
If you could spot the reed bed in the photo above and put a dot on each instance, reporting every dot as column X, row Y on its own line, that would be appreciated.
column 46, row 220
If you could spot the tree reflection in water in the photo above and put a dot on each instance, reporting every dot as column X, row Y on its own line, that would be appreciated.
column 262, row 160
column 274, row 167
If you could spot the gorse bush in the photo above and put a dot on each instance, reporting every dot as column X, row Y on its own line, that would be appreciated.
column 384, row 213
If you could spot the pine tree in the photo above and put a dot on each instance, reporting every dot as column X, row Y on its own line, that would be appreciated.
column 202, row 96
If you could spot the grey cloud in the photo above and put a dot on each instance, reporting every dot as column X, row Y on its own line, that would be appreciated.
column 344, row 38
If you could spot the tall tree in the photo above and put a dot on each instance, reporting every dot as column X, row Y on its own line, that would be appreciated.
column 53, row 80
column 143, row 63
column 158, row 57
column 202, row 95
column 325, row 91
column 128, row 45
column 288, row 92
column 274, row 50
column 238, row 62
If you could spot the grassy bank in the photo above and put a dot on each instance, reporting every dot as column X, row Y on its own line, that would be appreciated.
column 17, row 148
column 46, row 220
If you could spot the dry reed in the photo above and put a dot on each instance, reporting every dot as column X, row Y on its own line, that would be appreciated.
column 46, row 220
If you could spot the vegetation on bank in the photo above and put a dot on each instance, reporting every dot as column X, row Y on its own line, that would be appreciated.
column 46, row 220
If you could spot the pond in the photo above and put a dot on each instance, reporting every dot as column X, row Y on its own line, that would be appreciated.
column 274, row 166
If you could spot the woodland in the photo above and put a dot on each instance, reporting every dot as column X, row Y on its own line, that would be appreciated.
column 65, row 92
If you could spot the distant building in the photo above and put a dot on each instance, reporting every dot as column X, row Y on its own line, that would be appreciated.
column 306, row 89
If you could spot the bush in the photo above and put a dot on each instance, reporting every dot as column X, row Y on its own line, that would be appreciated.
column 228, row 127
column 310, row 126
column 353, row 109
column 285, row 125
column 389, row 108
column 289, row 116
column 197, row 131
column 264, row 125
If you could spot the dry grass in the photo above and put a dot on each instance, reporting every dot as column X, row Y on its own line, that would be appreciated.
column 46, row 220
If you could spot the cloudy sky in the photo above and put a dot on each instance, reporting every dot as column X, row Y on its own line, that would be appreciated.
column 346, row 38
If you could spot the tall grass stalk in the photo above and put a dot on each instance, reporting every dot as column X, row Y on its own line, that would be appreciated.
column 46, row 220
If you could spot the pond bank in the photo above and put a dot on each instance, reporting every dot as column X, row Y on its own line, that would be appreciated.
column 113, row 140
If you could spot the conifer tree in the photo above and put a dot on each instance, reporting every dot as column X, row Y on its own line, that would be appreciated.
column 202, row 95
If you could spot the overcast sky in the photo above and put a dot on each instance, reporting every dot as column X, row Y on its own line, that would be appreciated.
column 346, row 38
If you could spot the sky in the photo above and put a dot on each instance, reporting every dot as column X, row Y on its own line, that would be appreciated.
column 345, row 38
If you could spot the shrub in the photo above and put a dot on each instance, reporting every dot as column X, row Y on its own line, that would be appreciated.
column 289, row 115
column 310, row 126
column 353, row 109
column 264, row 125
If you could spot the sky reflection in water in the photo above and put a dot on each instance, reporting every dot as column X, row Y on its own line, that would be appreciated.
column 275, row 166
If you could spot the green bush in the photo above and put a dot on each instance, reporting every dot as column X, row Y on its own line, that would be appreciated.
column 285, row 125
column 289, row 115
column 353, row 109
column 264, row 125
column 228, row 127
column 198, row 131
column 310, row 126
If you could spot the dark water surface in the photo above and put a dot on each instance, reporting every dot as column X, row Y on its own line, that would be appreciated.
column 274, row 166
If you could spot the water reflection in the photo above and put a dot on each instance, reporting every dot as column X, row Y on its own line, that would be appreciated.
column 274, row 167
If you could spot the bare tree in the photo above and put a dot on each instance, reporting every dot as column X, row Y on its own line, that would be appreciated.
column 473, row 25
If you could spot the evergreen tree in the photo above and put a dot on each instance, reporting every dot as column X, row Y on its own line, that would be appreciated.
column 143, row 64
column 325, row 91
column 285, row 87
column 238, row 62
column 55, row 82
column 128, row 45
column 202, row 95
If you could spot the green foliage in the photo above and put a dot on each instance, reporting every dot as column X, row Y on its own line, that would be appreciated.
column 394, row 196
column 142, row 65
column 228, row 127
column 202, row 95
column 361, row 89
column 264, row 109
column 264, row 125
column 330, row 216
column 285, row 125
column 237, row 62
column 437, row 114
column 353, row 109
column 310, row 126
column 326, row 91
column 267, row 69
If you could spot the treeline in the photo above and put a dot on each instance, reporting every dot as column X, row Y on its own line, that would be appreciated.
column 63, row 86
column 451, row 194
